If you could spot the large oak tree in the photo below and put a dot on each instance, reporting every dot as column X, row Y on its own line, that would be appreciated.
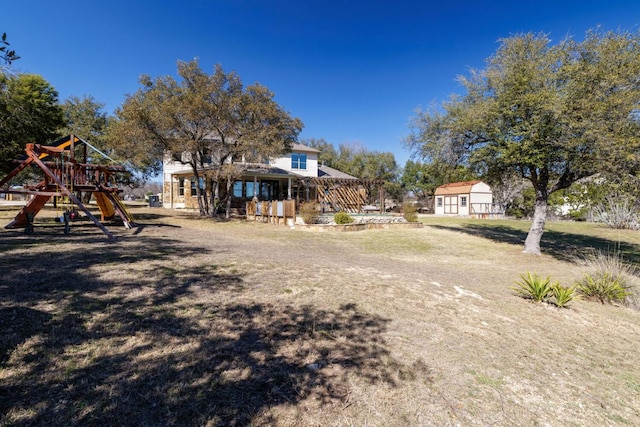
column 551, row 113
column 198, row 119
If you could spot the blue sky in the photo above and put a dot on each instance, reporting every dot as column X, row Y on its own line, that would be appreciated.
column 352, row 71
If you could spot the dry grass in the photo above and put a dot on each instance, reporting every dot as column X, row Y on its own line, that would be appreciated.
column 196, row 322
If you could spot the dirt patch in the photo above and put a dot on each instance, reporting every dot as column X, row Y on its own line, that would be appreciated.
column 189, row 321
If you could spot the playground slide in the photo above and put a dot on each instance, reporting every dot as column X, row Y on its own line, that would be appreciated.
column 33, row 207
column 119, row 206
column 107, row 209
column 110, row 204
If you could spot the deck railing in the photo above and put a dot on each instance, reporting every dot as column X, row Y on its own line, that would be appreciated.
column 485, row 211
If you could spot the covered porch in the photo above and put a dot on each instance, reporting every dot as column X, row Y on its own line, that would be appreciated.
column 254, row 182
column 258, row 182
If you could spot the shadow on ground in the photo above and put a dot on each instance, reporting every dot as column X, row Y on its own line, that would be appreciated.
column 563, row 246
column 168, row 346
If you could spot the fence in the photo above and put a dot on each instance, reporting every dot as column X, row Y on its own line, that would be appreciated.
column 275, row 211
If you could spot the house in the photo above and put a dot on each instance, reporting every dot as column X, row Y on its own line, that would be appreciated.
column 470, row 198
column 293, row 176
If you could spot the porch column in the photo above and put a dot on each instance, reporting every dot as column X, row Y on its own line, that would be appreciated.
column 289, row 188
column 255, row 187
column 171, row 181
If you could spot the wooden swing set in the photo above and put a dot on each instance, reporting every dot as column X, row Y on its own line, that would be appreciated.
column 64, row 175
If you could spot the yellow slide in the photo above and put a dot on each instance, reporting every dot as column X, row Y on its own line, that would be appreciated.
column 107, row 209
column 119, row 206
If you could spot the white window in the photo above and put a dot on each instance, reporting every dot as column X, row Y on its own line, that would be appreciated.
column 298, row 161
column 463, row 201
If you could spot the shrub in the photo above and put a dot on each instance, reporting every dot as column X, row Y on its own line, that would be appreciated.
column 618, row 212
column 342, row 218
column 609, row 279
column 309, row 213
column 534, row 288
column 605, row 287
column 409, row 212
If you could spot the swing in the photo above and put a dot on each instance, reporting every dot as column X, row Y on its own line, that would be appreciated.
column 58, row 198
column 63, row 204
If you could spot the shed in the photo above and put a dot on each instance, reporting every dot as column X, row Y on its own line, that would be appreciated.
column 469, row 198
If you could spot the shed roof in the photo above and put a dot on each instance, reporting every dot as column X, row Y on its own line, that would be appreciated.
column 456, row 188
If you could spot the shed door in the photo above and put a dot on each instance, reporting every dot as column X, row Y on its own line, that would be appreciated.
column 451, row 204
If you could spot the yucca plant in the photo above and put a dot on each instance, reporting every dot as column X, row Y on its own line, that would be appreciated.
column 562, row 295
column 533, row 287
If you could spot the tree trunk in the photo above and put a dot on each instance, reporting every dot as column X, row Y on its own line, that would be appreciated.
column 228, row 198
column 196, row 176
column 205, row 202
column 532, row 242
column 211, row 193
column 199, row 195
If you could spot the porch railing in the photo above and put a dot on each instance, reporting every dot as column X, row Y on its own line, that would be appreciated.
column 275, row 211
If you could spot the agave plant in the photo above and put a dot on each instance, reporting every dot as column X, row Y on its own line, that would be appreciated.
column 562, row 296
column 533, row 287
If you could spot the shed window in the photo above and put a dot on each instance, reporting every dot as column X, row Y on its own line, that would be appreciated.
column 463, row 201
column 298, row 161
column 439, row 202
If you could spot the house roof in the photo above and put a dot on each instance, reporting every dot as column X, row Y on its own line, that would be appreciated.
column 257, row 169
column 456, row 188
column 264, row 169
column 327, row 172
column 301, row 147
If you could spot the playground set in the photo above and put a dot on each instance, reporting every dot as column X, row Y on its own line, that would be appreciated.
column 65, row 179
